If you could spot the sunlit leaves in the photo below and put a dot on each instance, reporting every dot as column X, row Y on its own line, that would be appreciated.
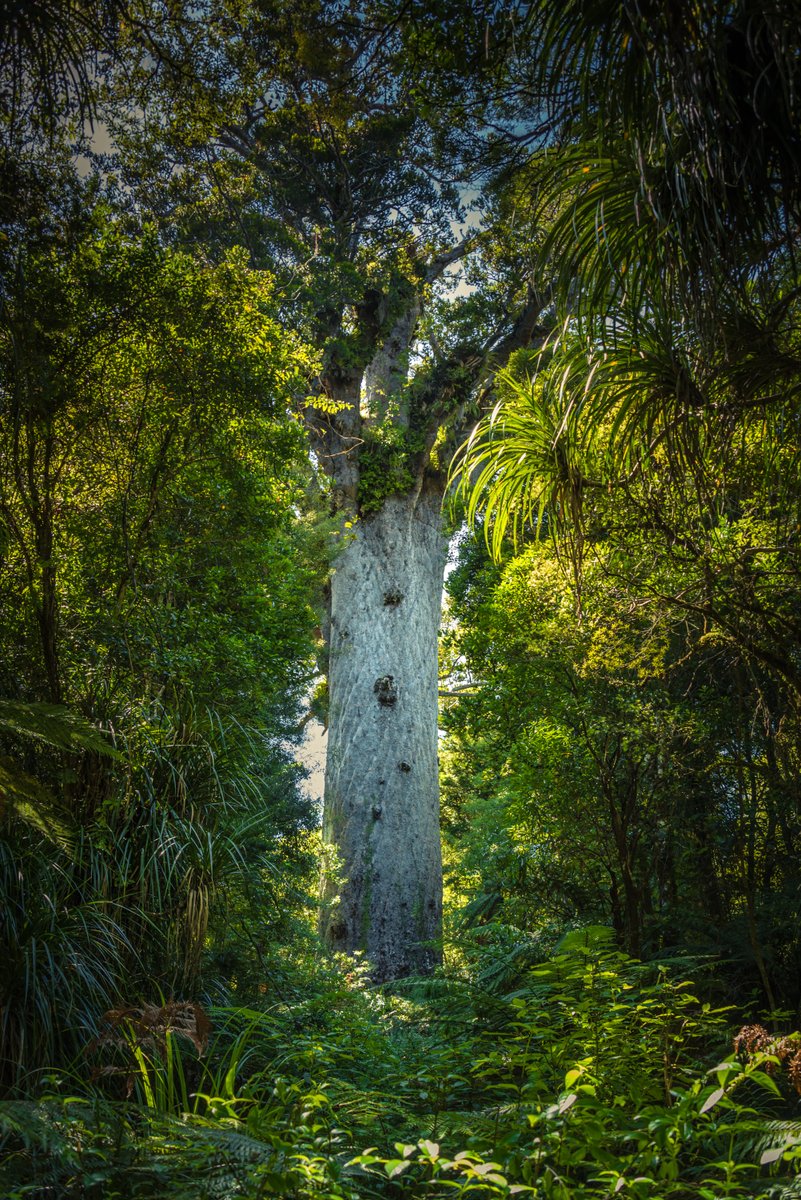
column 521, row 460
column 153, row 543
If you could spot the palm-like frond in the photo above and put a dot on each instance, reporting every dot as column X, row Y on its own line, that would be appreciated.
column 604, row 246
column 526, row 458
column 671, row 205
column 707, row 96
column 48, row 50
column 617, row 405
column 667, row 360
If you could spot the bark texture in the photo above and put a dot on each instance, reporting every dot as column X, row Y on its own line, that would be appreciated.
column 381, row 818
column 381, row 785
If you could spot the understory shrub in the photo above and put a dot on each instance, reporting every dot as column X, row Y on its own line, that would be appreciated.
column 593, row 1076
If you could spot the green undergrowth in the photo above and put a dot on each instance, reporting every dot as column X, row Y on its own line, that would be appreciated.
column 587, row 1075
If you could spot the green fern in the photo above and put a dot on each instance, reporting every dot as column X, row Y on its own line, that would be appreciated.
column 55, row 725
column 22, row 795
column 25, row 798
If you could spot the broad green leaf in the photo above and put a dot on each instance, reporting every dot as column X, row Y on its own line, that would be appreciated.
column 396, row 1166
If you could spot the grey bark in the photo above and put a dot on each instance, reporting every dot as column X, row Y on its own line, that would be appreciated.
column 381, row 810
column 381, row 785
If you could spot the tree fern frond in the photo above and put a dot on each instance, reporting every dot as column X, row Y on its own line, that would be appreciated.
column 366, row 1106
column 54, row 724
column 233, row 1141
column 36, row 1126
column 30, row 801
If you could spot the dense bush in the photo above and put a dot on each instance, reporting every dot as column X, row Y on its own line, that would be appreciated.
column 592, row 1075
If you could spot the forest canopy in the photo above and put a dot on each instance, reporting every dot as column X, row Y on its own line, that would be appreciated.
column 430, row 372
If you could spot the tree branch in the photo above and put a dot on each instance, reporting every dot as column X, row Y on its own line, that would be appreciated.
column 458, row 251
column 527, row 329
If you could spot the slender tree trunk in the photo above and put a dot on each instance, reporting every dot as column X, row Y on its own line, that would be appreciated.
column 381, row 786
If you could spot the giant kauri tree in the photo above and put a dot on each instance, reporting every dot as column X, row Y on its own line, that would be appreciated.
column 335, row 161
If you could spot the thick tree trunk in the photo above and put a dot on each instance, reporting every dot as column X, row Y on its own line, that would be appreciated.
column 381, row 817
column 381, row 785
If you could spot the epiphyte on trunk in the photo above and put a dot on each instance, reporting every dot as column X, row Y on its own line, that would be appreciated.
column 386, row 691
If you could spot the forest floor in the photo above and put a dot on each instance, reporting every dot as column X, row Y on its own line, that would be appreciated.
column 587, row 1074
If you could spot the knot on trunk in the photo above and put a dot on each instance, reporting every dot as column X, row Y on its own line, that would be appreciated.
column 385, row 690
